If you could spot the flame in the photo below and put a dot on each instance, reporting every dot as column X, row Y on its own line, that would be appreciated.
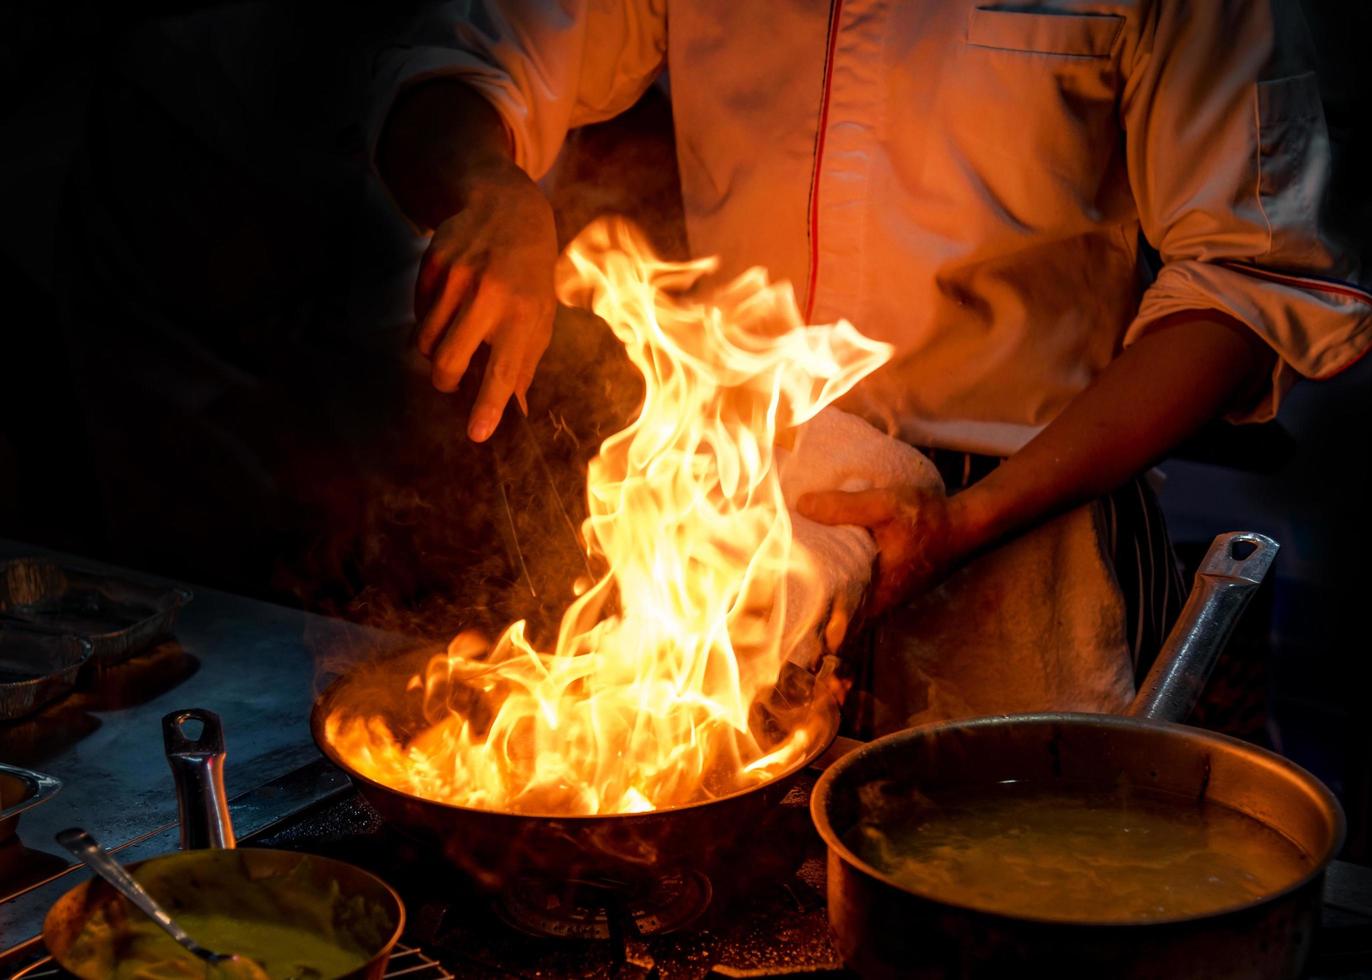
column 644, row 703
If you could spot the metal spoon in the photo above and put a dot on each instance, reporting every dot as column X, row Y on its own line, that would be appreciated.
column 88, row 851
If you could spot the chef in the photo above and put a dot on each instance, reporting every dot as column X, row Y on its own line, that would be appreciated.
column 1087, row 227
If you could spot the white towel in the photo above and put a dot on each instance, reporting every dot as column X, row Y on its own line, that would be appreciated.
column 1035, row 625
column 831, row 567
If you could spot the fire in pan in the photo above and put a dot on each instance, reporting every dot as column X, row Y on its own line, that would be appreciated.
column 626, row 851
column 630, row 749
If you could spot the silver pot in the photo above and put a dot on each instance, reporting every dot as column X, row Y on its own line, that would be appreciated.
column 885, row 929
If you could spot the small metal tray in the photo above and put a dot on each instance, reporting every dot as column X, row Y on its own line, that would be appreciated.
column 20, row 790
column 36, row 667
column 118, row 614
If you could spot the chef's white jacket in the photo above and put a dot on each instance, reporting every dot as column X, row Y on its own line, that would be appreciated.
column 965, row 180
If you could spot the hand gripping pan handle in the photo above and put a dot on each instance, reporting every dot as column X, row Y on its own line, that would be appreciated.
column 197, row 765
column 1228, row 576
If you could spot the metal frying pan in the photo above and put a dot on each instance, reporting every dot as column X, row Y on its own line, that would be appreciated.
column 888, row 930
column 630, row 850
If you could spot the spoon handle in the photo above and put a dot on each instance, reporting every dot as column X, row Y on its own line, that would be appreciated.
column 88, row 851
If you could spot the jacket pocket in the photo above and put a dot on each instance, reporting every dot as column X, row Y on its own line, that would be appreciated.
column 1029, row 108
column 1038, row 32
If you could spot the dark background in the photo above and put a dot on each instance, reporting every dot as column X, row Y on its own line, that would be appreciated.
column 205, row 369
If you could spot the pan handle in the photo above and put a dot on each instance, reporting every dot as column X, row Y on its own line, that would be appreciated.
column 197, row 765
column 1228, row 576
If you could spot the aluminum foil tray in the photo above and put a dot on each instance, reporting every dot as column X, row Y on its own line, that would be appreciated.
column 118, row 614
column 37, row 667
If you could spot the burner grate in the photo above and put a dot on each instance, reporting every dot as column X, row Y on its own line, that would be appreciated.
column 413, row 963
column 593, row 910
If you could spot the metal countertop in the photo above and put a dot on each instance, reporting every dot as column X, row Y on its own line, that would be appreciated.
column 252, row 662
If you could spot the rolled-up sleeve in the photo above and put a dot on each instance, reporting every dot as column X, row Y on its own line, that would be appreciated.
column 545, row 67
column 1228, row 159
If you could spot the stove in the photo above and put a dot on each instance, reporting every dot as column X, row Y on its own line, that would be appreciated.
column 768, row 923
column 248, row 661
column 769, row 920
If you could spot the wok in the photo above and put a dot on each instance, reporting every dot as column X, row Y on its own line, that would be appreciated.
column 364, row 907
column 889, row 929
column 631, row 851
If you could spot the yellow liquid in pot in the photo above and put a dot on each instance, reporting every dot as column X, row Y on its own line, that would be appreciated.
column 292, row 926
column 280, row 951
column 1069, row 853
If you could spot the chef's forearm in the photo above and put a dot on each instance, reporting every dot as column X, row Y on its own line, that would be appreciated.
column 440, row 133
column 1188, row 370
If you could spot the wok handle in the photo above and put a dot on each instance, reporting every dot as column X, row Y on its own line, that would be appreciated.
column 1228, row 576
column 197, row 766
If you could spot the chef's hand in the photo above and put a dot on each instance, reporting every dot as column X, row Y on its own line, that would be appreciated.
column 487, row 277
column 916, row 532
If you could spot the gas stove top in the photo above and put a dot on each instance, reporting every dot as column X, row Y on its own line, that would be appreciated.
column 768, row 924
column 768, row 921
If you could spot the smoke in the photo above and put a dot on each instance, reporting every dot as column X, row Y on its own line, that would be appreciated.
column 421, row 532
column 434, row 534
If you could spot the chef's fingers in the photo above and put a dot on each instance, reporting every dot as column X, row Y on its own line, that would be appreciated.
column 444, row 291
column 905, row 567
column 540, row 334
column 893, row 586
column 886, row 587
column 497, row 384
column 516, row 345
column 868, row 508
column 472, row 323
